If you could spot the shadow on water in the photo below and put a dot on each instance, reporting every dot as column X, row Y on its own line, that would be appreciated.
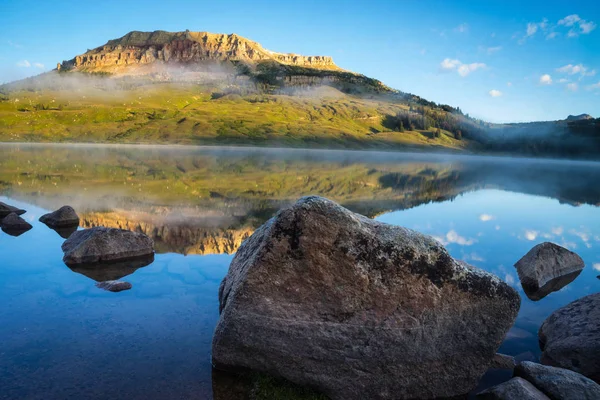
column 112, row 271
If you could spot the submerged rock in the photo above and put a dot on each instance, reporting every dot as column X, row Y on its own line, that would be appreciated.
column 570, row 337
column 558, row 383
column 114, row 286
column 6, row 209
column 102, row 244
column 65, row 232
column 63, row 217
column 540, row 269
column 14, row 225
column 502, row 361
column 358, row 309
column 514, row 389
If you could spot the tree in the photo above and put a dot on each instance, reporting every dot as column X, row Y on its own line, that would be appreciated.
column 438, row 133
column 458, row 135
column 401, row 126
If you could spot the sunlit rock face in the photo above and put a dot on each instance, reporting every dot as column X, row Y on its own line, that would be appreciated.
column 358, row 309
column 139, row 48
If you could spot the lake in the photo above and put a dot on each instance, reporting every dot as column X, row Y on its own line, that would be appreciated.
column 64, row 338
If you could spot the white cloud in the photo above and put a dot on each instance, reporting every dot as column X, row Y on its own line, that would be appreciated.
column 531, row 235
column 563, row 80
column 38, row 65
column 24, row 64
column 13, row 44
column 552, row 35
column 466, row 69
column 453, row 237
column 497, row 227
column 509, row 84
column 595, row 86
column 449, row 64
column 584, row 236
column 462, row 28
column 532, row 28
column 569, row 20
column 578, row 69
column 473, row 257
column 509, row 279
column 572, row 87
column 578, row 26
column 557, row 230
column 486, row 217
column 492, row 50
column 545, row 79
column 495, row 93
column 597, row 266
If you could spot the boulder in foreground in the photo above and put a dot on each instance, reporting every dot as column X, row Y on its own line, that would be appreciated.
column 540, row 269
column 6, row 209
column 100, row 244
column 114, row 286
column 558, row 383
column 13, row 224
column 63, row 217
column 358, row 309
column 514, row 389
column 570, row 337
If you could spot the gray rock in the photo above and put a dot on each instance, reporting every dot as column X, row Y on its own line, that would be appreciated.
column 502, row 361
column 63, row 217
column 358, row 309
column 558, row 383
column 14, row 225
column 114, row 286
column 514, row 389
column 6, row 209
column 543, row 264
column 100, row 244
column 570, row 337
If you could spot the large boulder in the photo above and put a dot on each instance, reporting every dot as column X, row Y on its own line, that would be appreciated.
column 100, row 244
column 570, row 337
column 358, row 309
column 6, row 209
column 558, row 383
column 63, row 217
column 14, row 225
column 547, row 267
column 514, row 389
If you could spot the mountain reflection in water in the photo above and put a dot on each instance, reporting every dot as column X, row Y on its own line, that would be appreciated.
column 208, row 201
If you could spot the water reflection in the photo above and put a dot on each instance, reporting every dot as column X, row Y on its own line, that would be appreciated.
column 199, row 205
column 113, row 271
column 554, row 285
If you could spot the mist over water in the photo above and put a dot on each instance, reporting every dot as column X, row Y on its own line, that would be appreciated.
column 64, row 338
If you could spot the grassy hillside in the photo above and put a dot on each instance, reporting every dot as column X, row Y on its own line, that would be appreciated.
column 190, row 113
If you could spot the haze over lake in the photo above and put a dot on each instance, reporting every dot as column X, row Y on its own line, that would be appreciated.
column 64, row 338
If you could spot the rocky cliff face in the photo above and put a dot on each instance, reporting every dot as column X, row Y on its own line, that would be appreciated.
column 184, row 236
column 144, row 48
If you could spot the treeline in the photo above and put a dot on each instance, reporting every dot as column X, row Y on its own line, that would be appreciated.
column 448, row 119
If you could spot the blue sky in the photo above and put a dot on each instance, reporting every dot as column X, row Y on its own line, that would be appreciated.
column 497, row 60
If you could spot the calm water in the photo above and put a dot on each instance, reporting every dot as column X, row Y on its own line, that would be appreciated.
column 61, row 337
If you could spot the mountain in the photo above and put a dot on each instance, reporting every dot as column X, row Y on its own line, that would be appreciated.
column 221, row 89
column 145, row 48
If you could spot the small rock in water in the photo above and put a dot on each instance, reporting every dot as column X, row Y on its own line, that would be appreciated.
column 358, row 309
column 570, row 337
column 14, row 225
column 100, row 244
column 503, row 361
column 114, row 286
column 64, row 216
column 6, row 209
column 540, row 269
column 514, row 389
column 558, row 383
